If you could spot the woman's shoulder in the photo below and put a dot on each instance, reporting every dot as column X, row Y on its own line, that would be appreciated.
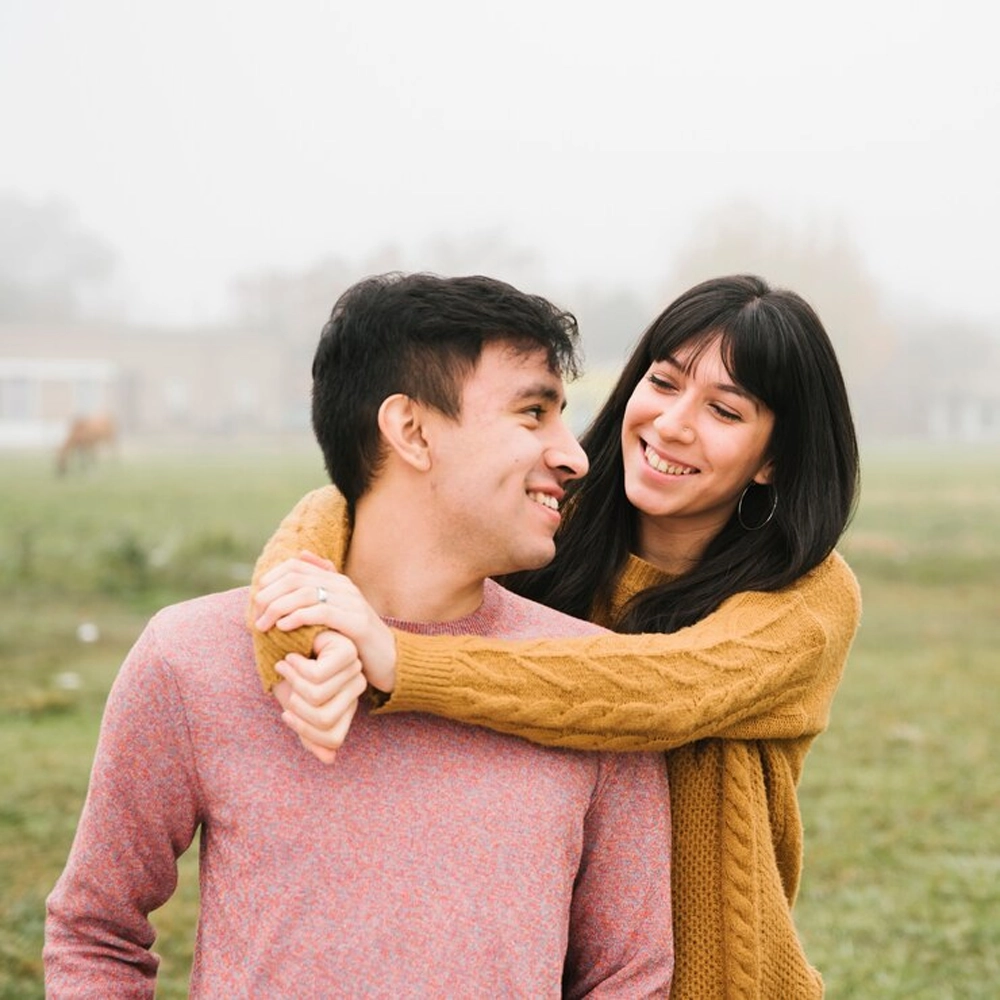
column 831, row 592
column 832, row 575
column 826, row 600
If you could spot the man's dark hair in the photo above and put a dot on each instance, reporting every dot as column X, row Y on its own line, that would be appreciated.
column 420, row 335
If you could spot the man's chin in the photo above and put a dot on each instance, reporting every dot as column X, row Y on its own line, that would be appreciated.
column 539, row 558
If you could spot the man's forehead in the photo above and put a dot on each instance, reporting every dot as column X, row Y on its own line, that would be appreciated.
column 514, row 348
column 516, row 372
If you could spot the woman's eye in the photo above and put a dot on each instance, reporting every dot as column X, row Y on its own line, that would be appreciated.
column 659, row 382
column 725, row 414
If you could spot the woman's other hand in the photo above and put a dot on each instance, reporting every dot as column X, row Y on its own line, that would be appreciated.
column 320, row 695
column 308, row 591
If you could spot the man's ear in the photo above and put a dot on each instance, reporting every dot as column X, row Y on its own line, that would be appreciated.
column 765, row 473
column 401, row 421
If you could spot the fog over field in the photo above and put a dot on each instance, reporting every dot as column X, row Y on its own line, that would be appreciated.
column 565, row 145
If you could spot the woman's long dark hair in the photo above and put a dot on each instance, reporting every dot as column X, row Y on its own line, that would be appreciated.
column 775, row 347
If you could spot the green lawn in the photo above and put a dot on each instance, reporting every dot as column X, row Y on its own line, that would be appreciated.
column 900, row 797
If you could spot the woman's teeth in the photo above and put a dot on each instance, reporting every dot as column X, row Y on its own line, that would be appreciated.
column 663, row 466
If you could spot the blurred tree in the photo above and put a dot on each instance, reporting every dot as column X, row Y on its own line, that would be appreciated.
column 486, row 251
column 821, row 263
column 611, row 321
column 290, row 305
column 294, row 305
column 48, row 263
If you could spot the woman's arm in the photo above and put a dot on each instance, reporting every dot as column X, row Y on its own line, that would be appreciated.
column 762, row 669
column 763, row 666
column 318, row 523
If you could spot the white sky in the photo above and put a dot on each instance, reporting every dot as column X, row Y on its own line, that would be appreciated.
column 204, row 138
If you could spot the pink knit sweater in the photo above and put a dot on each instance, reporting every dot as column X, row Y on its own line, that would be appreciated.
column 432, row 859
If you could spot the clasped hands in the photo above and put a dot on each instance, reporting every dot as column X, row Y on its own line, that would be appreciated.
column 319, row 694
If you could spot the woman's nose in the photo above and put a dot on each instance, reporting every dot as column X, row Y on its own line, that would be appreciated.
column 675, row 422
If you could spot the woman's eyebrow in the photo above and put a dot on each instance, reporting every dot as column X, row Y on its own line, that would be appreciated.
column 721, row 386
column 738, row 391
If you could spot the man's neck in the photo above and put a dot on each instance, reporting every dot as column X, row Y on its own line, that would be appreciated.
column 401, row 569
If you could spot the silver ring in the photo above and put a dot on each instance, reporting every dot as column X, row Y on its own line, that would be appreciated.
column 321, row 595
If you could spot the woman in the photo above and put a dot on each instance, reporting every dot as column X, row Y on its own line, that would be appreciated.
column 724, row 469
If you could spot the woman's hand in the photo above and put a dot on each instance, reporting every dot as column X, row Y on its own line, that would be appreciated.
column 308, row 591
column 320, row 696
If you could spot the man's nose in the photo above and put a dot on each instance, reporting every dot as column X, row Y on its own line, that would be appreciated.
column 567, row 454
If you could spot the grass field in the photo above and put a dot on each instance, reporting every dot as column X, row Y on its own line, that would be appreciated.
column 901, row 893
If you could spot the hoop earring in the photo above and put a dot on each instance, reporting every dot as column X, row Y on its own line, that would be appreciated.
column 770, row 513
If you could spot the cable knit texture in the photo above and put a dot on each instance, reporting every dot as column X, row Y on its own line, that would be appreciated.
column 736, row 701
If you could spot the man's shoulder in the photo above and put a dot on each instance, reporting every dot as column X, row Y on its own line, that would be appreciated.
column 520, row 618
column 211, row 627
column 222, row 610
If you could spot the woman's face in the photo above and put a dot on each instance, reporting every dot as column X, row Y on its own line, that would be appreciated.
column 691, row 442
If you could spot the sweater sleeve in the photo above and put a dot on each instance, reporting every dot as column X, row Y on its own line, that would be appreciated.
column 762, row 666
column 140, row 814
column 320, row 523
column 620, row 924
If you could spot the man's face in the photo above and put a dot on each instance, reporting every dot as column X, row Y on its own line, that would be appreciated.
column 500, row 470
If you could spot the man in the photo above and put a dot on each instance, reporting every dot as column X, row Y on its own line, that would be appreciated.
column 432, row 859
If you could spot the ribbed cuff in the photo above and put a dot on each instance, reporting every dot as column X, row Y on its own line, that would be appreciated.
column 424, row 676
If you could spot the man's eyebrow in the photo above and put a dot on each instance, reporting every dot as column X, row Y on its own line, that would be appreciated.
column 541, row 390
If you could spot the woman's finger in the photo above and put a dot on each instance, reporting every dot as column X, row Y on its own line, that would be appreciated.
column 328, row 726
column 310, row 557
column 297, row 590
column 295, row 564
column 325, row 716
column 292, row 572
column 315, row 686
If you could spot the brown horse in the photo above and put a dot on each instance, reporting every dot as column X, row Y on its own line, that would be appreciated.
column 85, row 436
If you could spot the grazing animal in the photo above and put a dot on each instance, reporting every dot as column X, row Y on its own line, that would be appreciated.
column 85, row 436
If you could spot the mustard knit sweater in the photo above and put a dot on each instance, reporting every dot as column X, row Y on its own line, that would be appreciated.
column 736, row 701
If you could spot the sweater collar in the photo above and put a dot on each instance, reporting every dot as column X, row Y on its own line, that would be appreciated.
column 634, row 577
column 483, row 621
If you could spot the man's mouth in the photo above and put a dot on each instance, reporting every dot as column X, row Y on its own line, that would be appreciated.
column 545, row 499
column 662, row 465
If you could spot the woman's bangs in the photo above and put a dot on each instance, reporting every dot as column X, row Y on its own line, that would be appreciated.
column 754, row 361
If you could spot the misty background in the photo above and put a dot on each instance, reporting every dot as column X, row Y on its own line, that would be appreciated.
column 185, row 189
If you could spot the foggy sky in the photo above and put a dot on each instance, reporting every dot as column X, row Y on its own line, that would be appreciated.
column 205, row 138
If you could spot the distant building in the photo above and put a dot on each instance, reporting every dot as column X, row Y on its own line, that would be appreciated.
column 941, row 384
column 155, row 383
column 38, row 396
column 960, row 417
